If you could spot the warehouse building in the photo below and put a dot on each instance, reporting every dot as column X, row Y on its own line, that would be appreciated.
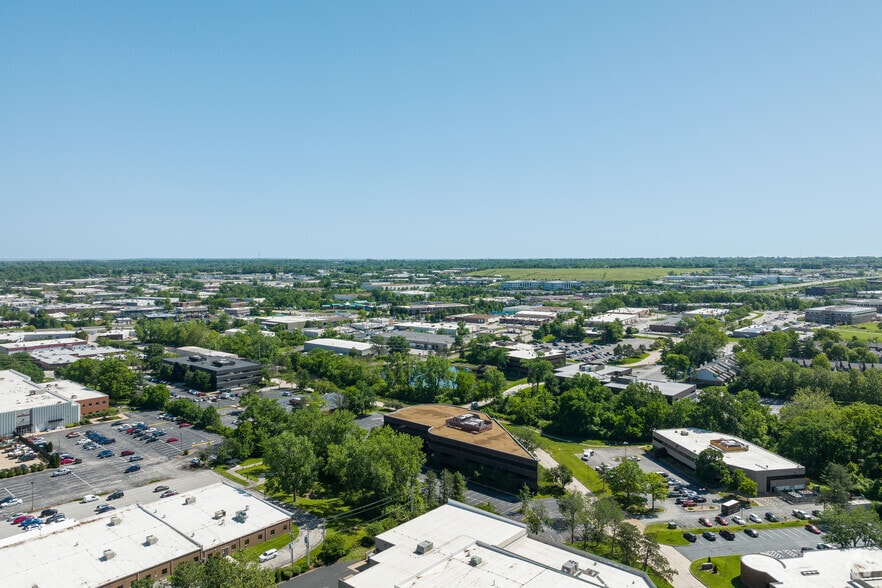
column 114, row 549
column 840, row 315
column 770, row 471
column 459, row 437
column 459, row 545
column 26, row 407
column 861, row 566
column 340, row 346
column 424, row 341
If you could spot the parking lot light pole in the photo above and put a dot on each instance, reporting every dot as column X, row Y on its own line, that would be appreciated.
column 32, row 496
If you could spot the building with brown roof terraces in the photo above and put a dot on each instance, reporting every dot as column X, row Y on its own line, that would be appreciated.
column 460, row 438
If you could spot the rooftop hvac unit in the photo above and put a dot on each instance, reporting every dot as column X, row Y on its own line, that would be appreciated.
column 570, row 567
column 475, row 561
column 219, row 514
column 115, row 521
column 190, row 500
column 242, row 514
column 151, row 540
column 424, row 547
column 109, row 554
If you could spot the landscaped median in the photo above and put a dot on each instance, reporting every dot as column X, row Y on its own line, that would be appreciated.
column 667, row 536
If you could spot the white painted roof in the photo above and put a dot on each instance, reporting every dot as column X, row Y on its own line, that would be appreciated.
column 754, row 459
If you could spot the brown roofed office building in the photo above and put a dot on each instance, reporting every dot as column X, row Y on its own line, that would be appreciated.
column 457, row 437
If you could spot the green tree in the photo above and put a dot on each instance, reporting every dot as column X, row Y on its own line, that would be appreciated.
column 398, row 344
column 612, row 332
column 710, row 468
column 839, row 482
column 333, row 547
column 626, row 479
column 536, row 517
column 598, row 520
column 676, row 366
column 292, row 462
column 657, row 487
column 850, row 527
column 561, row 474
column 702, row 344
column 572, row 508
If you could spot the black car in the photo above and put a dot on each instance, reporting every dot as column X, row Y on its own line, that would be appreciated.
column 56, row 518
column 690, row 537
column 48, row 512
column 115, row 495
column 771, row 517
column 752, row 532
column 727, row 535
column 709, row 535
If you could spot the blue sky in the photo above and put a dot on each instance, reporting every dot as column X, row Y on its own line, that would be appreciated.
column 439, row 129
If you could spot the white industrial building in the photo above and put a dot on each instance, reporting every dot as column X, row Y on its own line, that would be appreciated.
column 770, row 471
column 340, row 346
column 458, row 545
column 860, row 566
column 26, row 407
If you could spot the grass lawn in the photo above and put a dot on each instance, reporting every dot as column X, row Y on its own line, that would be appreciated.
column 611, row 274
column 569, row 453
column 253, row 552
column 728, row 572
column 675, row 536
column 630, row 360
column 863, row 332
column 222, row 470
column 251, row 461
column 254, row 471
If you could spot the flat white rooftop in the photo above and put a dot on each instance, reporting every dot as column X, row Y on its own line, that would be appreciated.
column 508, row 556
column 18, row 392
column 755, row 458
column 820, row 569
column 340, row 344
column 74, row 555
column 72, row 390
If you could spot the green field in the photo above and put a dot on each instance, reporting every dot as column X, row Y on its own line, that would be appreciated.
column 728, row 572
column 863, row 332
column 586, row 274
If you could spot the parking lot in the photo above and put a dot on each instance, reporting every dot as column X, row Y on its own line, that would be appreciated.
column 161, row 461
column 789, row 541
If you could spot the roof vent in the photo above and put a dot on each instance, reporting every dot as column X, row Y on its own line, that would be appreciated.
column 571, row 567
column 151, row 540
column 109, row 554
column 424, row 547
column 219, row 514
column 115, row 521
column 190, row 500
column 475, row 561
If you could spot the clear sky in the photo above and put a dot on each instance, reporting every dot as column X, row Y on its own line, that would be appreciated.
column 439, row 129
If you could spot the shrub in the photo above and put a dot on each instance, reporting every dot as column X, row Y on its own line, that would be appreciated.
column 333, row 548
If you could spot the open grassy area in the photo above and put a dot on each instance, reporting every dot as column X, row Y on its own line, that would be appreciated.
column 728, row 572
column 222, row 470
column 610, row 274
column 569, row 454
column 675, row 536
column 253, row 472
column 253, row 552
column 863, row 332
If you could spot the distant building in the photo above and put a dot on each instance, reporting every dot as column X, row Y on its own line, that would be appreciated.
column 459, row 437
column 518, row 353
column 474, row 319
column 423, row 341
column 752, row 331
column 226, row 373
column 459, row 545
column 672, row 324
column 423, row 308
column 551, row 285
column 718, row 372
column 823, row 290
column 340, row 346
column 840, row 315
column 770, row 471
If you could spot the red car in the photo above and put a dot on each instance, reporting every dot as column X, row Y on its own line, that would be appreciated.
column 689, row 503
column 21, row 519
column 172, row 440
column 185, row 424
column 127, row 452
column 73, row 434
column 721, row 520
column 67, row 461
column 705, row 522
column 812, row 529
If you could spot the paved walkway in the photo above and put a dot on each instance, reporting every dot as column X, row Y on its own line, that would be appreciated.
column 548, row 462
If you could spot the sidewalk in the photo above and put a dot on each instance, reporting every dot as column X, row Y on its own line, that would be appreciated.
column 548, row 462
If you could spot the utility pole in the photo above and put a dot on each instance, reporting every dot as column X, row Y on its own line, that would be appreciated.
column 306, row 539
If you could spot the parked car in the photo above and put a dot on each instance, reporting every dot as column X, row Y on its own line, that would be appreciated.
column 104, row 508
column 11, row 501
column 754, row 518
column 719, row 519
column 31, row 523
column 56, row 518
column 690, row 537
column 61, row 472
column 126, row 452
column 160, row 489
column 21, row 518
column 172, row 440
column 267, row 555
column 771, row 517
column 105, row 453
column 132, row 468
column 727, row 535
column 184, row 424
column 709, row 535
column 48, row 512
column 67, row 461
column 689, row 503
column 705, row 522
column 812, row 529
column 737, row 520
column 115, row 495
column 136, row 458
column 73, row 434
column 752, row 532
column 168, row 493
column 12, row 517
column 826, row 546
column 90, row 498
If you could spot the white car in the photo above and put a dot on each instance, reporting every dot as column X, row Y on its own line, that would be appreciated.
column 11, row 502
column 61, row 472
column 90, row 498
column 737, row 520
column 267, row 555
column 754, row 518
column 83, row 441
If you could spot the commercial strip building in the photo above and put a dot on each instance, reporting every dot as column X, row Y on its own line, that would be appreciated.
column 26, row 407
column 459, row 545
column 861, row 566
column 840, row 315
column 771, row 472
column 114, row 549
column 459, row 437
column 227, row 373
column 617, row 378
column 340, row 346
column 423, row 341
